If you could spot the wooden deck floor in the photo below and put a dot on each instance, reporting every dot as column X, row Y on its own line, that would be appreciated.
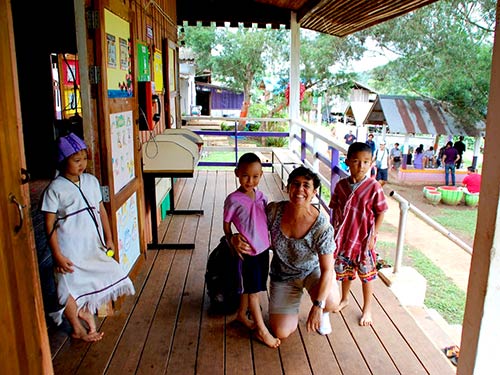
column 165, row 328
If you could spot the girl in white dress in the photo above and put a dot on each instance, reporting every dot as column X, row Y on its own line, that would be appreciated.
column 81, row 241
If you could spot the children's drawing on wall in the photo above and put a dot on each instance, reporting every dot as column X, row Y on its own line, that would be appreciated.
column 128, row 233
column 122, row 149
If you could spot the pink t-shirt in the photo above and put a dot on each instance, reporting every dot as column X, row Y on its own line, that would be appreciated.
column 472, row 182
column 249, row 218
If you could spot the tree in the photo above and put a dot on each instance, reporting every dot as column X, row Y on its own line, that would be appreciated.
column 241, row 58
column 236, row 56
column 445, row 51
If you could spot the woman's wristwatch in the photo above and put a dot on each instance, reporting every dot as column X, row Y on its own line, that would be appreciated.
column 319, row 303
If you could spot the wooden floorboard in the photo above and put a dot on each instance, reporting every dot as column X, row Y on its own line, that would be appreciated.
column 400, row 353
column 130, row 348
column 168, row 328
column 266, row 361
column 99, row 354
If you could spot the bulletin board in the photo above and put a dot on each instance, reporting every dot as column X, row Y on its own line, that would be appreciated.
column 128, row 233
column 118, row 56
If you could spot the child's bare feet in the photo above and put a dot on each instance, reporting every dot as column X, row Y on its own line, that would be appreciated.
column 366, row 319
column 268, row 339
column 243, row 319
column 80, row 333
column 88, row 318
column 341, row 306
column 89, row 337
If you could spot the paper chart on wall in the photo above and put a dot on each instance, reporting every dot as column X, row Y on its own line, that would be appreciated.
column 122, row 149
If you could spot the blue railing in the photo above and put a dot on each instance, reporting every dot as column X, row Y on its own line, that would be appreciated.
column 237, row 135
column 314, row 146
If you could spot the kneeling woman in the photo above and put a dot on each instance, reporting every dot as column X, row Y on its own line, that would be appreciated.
column 303, row 246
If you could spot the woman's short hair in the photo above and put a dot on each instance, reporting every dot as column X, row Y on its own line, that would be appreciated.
column 307, row 174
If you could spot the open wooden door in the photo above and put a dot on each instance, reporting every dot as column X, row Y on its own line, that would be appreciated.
column 117, row 128
column 24, row 347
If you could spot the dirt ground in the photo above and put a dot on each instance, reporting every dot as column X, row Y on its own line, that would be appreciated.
column 446, row 254
column 415, row 196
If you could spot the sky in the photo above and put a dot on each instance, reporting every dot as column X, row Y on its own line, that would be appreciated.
column 373, row 57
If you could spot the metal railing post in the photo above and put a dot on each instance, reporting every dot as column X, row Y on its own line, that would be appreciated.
column 403, row 215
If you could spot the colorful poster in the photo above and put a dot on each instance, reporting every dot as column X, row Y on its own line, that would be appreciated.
column 72, row 102
column 158, row 71
column 118, row 56
column 128, row 233
column 71, row 72
column 143, row 68
column 122, row 149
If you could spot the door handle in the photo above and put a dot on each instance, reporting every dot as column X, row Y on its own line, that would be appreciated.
column 20, row 207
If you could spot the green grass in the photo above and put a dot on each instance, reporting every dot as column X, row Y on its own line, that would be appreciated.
column 459, row 220
column 222, row 156
column 218, row 156
column 442, row 294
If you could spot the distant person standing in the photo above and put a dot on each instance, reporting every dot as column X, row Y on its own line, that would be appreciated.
column 472, row 182
column 450, row 157
column 381, row 159
column 460, row 147
column 370, row 142
column 395, row 156
column 349, row 138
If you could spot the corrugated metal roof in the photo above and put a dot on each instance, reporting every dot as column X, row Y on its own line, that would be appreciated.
column 358, row 110
column 415, row 115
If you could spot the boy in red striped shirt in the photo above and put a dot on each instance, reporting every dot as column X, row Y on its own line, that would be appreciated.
column 358, row 205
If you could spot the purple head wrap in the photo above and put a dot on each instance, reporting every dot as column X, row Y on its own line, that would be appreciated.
column 69, row 145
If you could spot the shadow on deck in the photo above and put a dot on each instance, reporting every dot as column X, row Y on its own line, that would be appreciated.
column 166, row 327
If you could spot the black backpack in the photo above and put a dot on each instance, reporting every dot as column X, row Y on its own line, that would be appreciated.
column 222, row 279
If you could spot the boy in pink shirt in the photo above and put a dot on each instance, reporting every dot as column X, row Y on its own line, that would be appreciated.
column 245, row 209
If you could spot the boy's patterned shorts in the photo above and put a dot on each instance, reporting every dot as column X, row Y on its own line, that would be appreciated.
column 365, row 268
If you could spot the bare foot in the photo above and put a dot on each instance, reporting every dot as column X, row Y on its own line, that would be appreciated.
column 88, row 318
column 341, row 306
column 366, row 319
column 243, row 319
column 88, row 337
column 268, row 339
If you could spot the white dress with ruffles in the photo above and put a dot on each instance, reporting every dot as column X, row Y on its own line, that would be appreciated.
column 96, row 278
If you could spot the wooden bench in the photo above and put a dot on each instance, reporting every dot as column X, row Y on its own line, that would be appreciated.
column 286, row 161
